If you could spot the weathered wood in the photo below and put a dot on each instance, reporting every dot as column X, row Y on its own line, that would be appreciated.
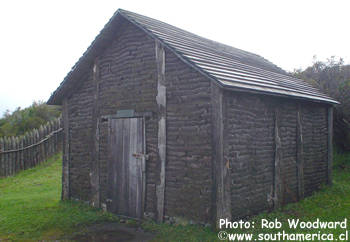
column 330, row 145
column 143, row 166
column 37, row 148
column 300, row 155
column 95, row 167
column 6, row 156
column 126, row 141
column 65, row 159
column 221, row 166
column 42, row 148
column 2, row 157
column 14, row 156
column 22, row 152
column 17, row 160
column 277, row 162
column 161, row 101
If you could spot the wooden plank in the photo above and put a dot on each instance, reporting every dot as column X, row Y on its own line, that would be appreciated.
column 125, row 163
column 143, row 166
column 2, row 158
column 133, row 167
column 161, row 101
column 95, row 166
column 222, row 173
column 300, row 154
column 65, row 159
column 139, row 174
column 277, row 162
column 330, row 145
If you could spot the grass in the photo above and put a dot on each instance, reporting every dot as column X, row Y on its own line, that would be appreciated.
column 331, row 203
column 30, row 208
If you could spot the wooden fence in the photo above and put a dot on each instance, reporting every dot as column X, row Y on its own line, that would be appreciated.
column 23, row 152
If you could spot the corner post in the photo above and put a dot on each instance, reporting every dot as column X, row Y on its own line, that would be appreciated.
column 277, row 163
column 65, row 159
column 300, row 155
column 95, row 166
column 222, row 167
column 161, row 101
column 330, row 145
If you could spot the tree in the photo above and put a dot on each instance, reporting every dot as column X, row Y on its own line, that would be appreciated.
column 333, row 78
column 22, row 120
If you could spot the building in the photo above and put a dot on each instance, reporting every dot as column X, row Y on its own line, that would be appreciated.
column 162, row 122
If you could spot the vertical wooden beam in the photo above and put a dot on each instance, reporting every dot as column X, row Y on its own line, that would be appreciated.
column 143, row 165
column 300, row 155
column 95, row 167
column 2, row 157
column 65, row 160
column 161, row 101
column 277, row 163
column 221, row 166
column 330, row 145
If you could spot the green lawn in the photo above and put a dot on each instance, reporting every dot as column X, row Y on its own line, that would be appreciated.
column 30, row 208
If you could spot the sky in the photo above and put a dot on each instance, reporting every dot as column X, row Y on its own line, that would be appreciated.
column 40, row 41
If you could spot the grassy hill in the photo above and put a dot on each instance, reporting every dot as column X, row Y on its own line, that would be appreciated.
column 30, row 208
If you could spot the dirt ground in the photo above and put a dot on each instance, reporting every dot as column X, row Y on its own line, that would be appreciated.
column 110, row 232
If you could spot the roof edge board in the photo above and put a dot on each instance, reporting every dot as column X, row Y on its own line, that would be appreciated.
column 274, row 94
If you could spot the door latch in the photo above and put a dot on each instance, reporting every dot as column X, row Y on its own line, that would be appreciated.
column 140, row 156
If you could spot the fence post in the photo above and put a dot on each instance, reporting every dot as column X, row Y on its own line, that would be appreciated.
column 41, row 146
column 16, row 165
column 13, row 155
column 50, row 128
column 2, row 148
column 6, row 155
column 26, row 152
column 32, row 160
column 36, row 139
column 21, row 145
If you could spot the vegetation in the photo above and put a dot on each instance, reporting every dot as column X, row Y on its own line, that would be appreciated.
column 333, row 78
column 23, row 120
column 31, row 208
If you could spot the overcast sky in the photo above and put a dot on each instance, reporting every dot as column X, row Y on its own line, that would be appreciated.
column 41, row 40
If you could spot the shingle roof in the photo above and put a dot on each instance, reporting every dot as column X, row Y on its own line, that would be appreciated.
column 232, row 68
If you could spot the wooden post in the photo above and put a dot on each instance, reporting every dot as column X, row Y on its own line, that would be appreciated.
column 2, row 155
column 221, row 166
column 25, row 159
column 41, row 146
column 46, row 153
column 32, row 140
column 37, row 147
column 300, row 154
column 95, row 142
column 330, row 144
column 22, row 152
column 5, row 157
column 161, row 101
column 13, row 155
column 277, row 163
column 65, row 159
column 17, row 161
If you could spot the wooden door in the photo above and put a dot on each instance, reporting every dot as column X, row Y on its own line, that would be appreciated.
column 126, row 166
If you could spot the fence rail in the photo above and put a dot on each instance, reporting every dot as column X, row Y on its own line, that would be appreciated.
column 26, row 151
